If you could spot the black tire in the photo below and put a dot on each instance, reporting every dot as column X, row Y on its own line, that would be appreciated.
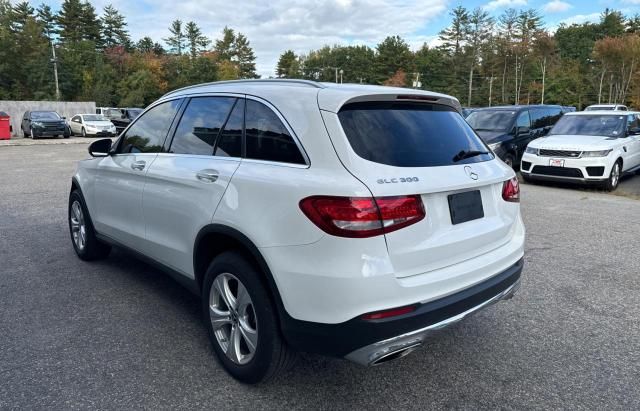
column 84, row 132
column 510, row 160
column 25, row 134
column 33, row 136
column 612, row 182
column 93, row 248
column 272, row 356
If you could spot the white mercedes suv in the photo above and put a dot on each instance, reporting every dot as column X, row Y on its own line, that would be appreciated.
column 345, row 220
column 589, row 147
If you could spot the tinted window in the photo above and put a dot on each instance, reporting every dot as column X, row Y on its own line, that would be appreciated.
column 230, row 140
column 591, row 125
column 632, row 122
column 267, row 138
column 554, row 115
column 201, row 124
column 539, row 117
column 409, row 135
column 523, row 119
column 491, row 120
column 147, row 134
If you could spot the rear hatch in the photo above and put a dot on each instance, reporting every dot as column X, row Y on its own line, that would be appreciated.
column 399, row 148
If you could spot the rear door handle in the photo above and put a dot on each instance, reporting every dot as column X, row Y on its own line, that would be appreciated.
column 139, row 165
column 208, row 176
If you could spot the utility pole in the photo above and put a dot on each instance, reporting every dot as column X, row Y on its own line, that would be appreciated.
column 54, row 60
column 490, row 89
column 341, row 73
column 336, row 74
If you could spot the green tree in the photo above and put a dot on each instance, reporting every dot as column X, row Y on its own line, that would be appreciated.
column 288, row 65
column 177, row 39
column 114, row 28
column 196, row 41
column 393, row 54
column 147, row 45
column 47, row 19
column 244, row 57
column 478, row 34
column 224, row 47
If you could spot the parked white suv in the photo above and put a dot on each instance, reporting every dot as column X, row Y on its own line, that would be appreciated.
column 345, row 220
column 589, row 147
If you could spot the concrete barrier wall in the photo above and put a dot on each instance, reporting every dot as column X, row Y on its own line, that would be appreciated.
column 66, row 109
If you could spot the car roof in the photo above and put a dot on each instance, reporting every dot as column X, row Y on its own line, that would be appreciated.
column 329, row 96
column 607, row 105
column 601, row 113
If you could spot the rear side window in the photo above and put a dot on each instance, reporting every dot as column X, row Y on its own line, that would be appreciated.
column 200, row 125
column 267, row 138
column 147, row 134
column 230, row 141
column 539, row 117
column 410, row 134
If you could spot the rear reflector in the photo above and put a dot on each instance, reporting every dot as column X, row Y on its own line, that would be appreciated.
column 359, row 217
column 394, row 312
column 511, row 190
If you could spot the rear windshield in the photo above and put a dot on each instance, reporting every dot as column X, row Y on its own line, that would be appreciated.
column 411, row 134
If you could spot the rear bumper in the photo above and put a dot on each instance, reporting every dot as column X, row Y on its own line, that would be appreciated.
column 367, row 342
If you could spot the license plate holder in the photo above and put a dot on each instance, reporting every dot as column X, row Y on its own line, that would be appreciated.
column 465, row 206
column 556, row 162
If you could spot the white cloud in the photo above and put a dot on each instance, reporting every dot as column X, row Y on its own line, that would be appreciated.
column 277, row 25
column 556, row 6
column 581, row 18
column 498, row 4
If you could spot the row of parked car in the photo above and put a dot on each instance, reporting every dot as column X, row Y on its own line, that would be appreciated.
column 556, row 143
column 105, row 122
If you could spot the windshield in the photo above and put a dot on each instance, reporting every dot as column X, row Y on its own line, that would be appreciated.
column 134, row 113
column 591, row 125
column 491, row 120
column 411, row 135
column 94, row 117
column 44, row 115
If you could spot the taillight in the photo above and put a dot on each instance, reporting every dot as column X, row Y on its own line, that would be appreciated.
column 511, row 190
column 358, row 217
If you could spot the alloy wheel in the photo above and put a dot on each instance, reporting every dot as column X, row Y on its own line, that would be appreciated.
column 233, row 318
column 78, row 226
column 615, row 175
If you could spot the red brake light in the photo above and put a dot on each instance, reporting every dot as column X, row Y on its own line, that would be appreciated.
column 511, row 190
column 394, row 312
column 359, row 217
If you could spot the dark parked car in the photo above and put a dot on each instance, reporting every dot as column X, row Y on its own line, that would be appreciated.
column 508, row 129
column 121, row 117
column 37, row 124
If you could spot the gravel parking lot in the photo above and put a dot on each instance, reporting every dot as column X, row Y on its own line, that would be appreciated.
column 119, row 334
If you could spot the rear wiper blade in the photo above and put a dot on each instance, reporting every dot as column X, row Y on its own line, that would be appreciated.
column 467, row 154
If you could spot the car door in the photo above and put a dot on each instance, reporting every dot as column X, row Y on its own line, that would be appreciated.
column 120, row 177
column 25, row 122
column 185, row 184
column 523, row 133
column 74, row 124
column 632, row 142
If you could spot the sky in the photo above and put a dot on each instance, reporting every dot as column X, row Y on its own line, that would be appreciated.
column 273, row 26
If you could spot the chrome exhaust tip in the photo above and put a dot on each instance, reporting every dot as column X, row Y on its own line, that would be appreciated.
column 394, row 355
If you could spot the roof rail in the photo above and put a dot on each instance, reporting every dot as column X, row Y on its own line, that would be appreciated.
column 308, row 83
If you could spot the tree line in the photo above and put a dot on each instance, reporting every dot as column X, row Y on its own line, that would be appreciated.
column 97, row 60
column 488, row 61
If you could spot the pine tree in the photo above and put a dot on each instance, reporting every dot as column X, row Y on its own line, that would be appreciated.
column 114, row 28
column 393, row 54
column 244, row 57
column 68, row 18
column 196, row 41
column 224, row 47
column 177, row 38
column 20, row 13
column 91, row 25
column 47, row 19
column 147, row 45
column 287, row 65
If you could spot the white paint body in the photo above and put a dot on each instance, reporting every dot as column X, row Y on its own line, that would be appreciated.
column 321, row 278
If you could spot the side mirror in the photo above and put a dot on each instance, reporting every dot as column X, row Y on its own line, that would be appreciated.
column 100, row 148
column 64, row 118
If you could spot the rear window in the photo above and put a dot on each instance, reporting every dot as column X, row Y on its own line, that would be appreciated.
column 410, row 134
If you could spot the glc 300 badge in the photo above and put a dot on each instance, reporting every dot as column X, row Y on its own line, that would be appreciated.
column 398, row 180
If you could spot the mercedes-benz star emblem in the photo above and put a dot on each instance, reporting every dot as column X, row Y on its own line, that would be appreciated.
column 472, row 174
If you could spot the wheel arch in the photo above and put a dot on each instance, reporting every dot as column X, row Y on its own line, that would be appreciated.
column 214, row 239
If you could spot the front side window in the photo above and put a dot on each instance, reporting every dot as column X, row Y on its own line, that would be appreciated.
column 591, row 125
column 632, row 122
column 524, row 120
column 147, row 134
column 267, row 138
column 411, row 134
column 200, row 125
